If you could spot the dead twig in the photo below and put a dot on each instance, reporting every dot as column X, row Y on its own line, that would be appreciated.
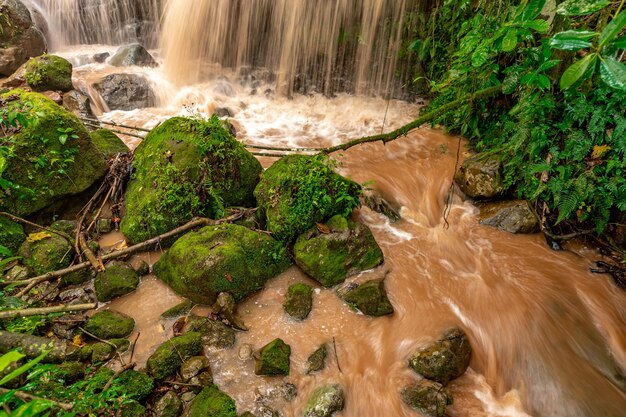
column 46, row 310
column 116, row 374
column 336, row 356
column 29, row 397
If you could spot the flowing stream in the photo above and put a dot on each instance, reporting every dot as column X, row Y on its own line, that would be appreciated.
column 548, row 337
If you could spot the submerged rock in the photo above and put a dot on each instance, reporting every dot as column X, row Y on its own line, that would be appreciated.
column 194, row 366
column 224, row 258
column 20, row 39
column 11, row 234
column 377, row 203
column 169, row 405
column 331, row 252
column 445, row 359
column 273, row 359
column 133, row 54
column 215, row 334
column 211, row 402
column 428, row 397
column 108, row 324
column 126, row 91
column 514, row 216
column 324, row 401
column 298, row 301
column 48, row 72
column 168, row 357
column 226, row 307
column 46, row 251
column 317, row 360
column 480, row 177
column 79, row 104
column 178, row 310
column 118, row 279
column 370, row 298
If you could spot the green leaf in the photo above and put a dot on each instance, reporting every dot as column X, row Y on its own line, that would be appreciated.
column 539, row 25
column 63, row 139
column 576, row 71
column 619, row 43
column 572, row 40
column 533, row 9
column 24, row 368
column 32, row 408
column 613, row 73
column 613, row 29
column 9, row 358
column 510, row 41
column 581, row 7
column 548, row 65
column 543, row 82
column 480, row 55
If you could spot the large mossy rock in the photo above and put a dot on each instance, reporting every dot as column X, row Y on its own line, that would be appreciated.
column 273, row 359
column 370, row 298
column 11, row 234
column 211, row 402
column 298, row 301
column 20, row 39
column 298, row 191
column 428, row 397
column 324, row 401
column 481, row 177
column 118, row 279
column 224, row 258
column 108, row 324
column 186, row 168
column 44, row 252
column 48, row 72
column 513, row 216
column 341, row 248
column 134, row 385
column 53, row 156
column 445, row 359
column 168, row 357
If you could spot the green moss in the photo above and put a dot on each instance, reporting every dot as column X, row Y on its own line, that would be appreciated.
column 212, row 402
column 101, row 352
column 108, row 143
column 11, row 234
column 132, row 409
column 298, row 301
column 118, row 279
column 168, row 357
column 370, row 298
column 186, row 168
column 70, row 372
column 47, row 254
column 224, row 258
column 169, row 405
column 273, row 359
column 298, row 191
column 428, row 397
column 317, row 360
column 121, row 344
column 178, row 310
column 134, row 385
column 49, row 72
column 214, row 333
column 324, row 401
column 109, row 324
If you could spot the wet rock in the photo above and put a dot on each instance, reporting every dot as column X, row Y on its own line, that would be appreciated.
column 125, row 91
column 370, row 298
column 45, row 252
column 108, row 143
column 298, row 301
column 377, row 203
column 224, row 258
column 181, row 172
column 48, row 73
column 247, row 414
column 211, row 402
column 133, row 54
column 178, row 310
column 65, row 325
column 428, row 397
column 101, row 352
column 132, row 409
column 70, row 372
column 18, row 272
column 54, row 96
column 317, row 360
column 193, row 366
column 108, row 324
column 226, row 307
column 79, row 104
column 188, row 396
column 168, row 357
column 215, row 334
column 245, row 351
column 104, row 226
column 445, row 359
column 329, row 253
column 47, row 186
column 134, row 385
column 121, row 344
column 142, row 268
column 223, row 112
column 20, row 39
column 480, row 177
column 324, row 401
column 510, row 216
column 169, row 405
column 78, row 277
column 203, row 379
column 118, row 279
column 291, row 206
column 76, row 295
column 11, row 234
column 101, row 57
column 273, row 359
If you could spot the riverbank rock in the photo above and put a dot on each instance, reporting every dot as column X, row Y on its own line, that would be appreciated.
column 298, row 191
column 185, row 168
column 445, row 359
column 370, row 298
column 480, row 177
column 376, row 202
column 427, row 397
column 329, row 253
column 298, row 301
column 11, row 234
column 133, row 54
column 48, row 73
column 317, row 360
column 20, row 39
column 324, row 401
column 108, row 143
column 273, row 359
column 79, row 104
column 224, row 258
column 45, row 251
column 215, row 334
column 125, row 91
column 118, row 279
column 510, row 216
column 168, row 357
column 169, row 405
column 211, row 402
column 110, row 324
column 51, row 159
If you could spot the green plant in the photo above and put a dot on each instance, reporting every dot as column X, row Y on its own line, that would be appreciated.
column 29, row 409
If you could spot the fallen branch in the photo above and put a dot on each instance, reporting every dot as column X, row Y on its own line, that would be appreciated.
column 116, row 374
column 119, row 132
column 336, row 356
column 97, row 265
column 47, row 229
column 24, row 396
column 33, row 346
column 140, row 129
column 46, row 310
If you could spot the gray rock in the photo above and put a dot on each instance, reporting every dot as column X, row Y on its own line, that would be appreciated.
column 188, row 396
column 133, row 54
column 78, row 103
column 317, row 360
column 226, row 307
column 64, row 326
column 125, row 91
column 169, row 405
column 101, row 57
column 193, row 366
column 480, row 177
column 215, row 334
column 510, row 216
column 20, row 39
column 379, row 204
column 18, row 272
column 245, row 351
column 324, row 401
column 76, row 295
column 428, row 397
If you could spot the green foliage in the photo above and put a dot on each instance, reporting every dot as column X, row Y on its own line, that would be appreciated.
column 30, row 409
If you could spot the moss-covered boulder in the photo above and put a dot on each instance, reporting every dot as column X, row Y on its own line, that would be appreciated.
column 134, row 385
column 224, row 258
column 70, row 372
column 273, row 359
column 118, row 279
column 168, row 357
column 11, row 234
column 370, row 298
column 169, row 405
column 108, row 143
column 427, row 397
column 108, row 324
column 215, row 334
column 185, row 168
column 317, row 360
column 52, row 155
column 132, row 409
column 324, row 401
column 298, row 301
column 101, row 352
column 20, row 39
column 445, row 359
column 211, row 402
column 48, row 72
column 481, row 177
column 336, row 250
column 46, row 251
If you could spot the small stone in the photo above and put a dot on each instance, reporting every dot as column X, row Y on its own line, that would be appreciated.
column 188, row 396
column 142, row 268
column 169, row 405
column 377, row 203
column 215, row 334
column 168, row 357
column 324, row 401
column 226, row 307
column 18, row 272
column 427, row 397
column 245, row 351
column 204, row 378
column 101, row 57
column 118, row 279
column 104, row 226
column 193, row 366
column 288, row 391
column 273, row 359
column 370, row 298
column 298, row 301
column 317, row 360
column 76, row 295
column 65, row 325
column 101, row 352
column 178, row 310
column 108, row 324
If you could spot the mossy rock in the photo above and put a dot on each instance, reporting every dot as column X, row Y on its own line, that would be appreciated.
column 298, row 191
column 317, row 360
column 273, row 359
column 215, row 334
column 118, row 279
column 211, row 402
column 324, row 401
column 45, row 252
column 298, row 301
column 121, row 343
column 101, row 352
column 428, row 397
column 370, row 298
column 132, row 409
column 332, row 253
column 168, row 357
column 70, row 372
column 169, row 405
column 49, row 72
column 224, row 258
column 11, row 234
column 186, row 168
column 481, row 177
column 194, row 366
column 445, row 359
column 20, row 38
column 108, row 324
column 178, row 310
column 108, row 143
column 134, row 385
column 45, row 166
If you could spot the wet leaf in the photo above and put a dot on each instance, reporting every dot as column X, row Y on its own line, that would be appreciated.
column 576, row 71
column 613, row 29
column 572, row 40
column 581, row 7
column 613, row 73
column 36, row 237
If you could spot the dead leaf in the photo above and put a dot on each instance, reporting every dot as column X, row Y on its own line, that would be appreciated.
column 599, row 151
column 35, row 237
column 323, row 228
column 78, row 340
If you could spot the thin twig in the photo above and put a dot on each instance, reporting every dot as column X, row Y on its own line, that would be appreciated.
column 132, row 352
column 113, row 345
column 116, row 374
column 119, row 132
column 46, row 310
column 104, row 122
column 29, row 397
column 336, row 356
column 24, row 221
